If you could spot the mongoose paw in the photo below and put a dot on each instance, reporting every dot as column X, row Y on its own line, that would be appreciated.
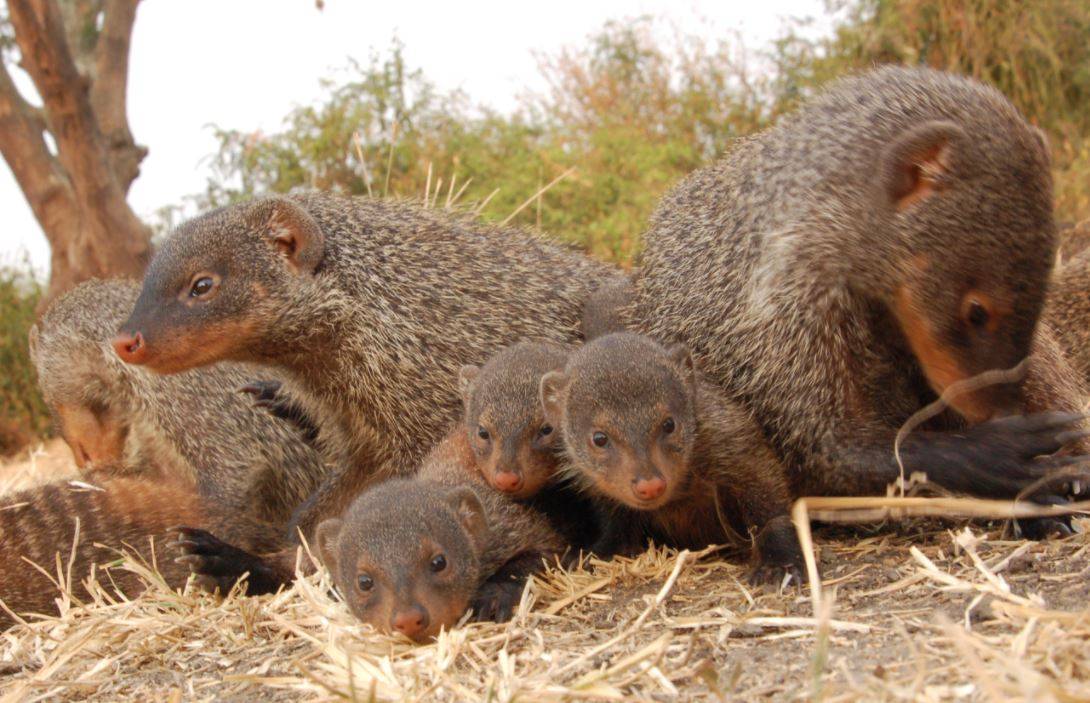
column 1042, row 528
column 497, row 599
column 778, row 554
column 1001, row 457
column 267, row 396
column 218, row 566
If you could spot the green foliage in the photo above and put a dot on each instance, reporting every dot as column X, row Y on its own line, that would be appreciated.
column 22, row 413
column 625, row 118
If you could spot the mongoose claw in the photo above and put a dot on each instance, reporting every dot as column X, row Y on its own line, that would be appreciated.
column 774, row 575
column 218, row 566
column 497, row 599
column 265, row 393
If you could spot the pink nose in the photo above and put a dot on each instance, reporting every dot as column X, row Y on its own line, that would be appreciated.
column 649, row 488
column 411, row 622
column 130, row 347
column 507, row 481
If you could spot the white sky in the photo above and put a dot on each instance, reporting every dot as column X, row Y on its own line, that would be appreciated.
column 244, row 64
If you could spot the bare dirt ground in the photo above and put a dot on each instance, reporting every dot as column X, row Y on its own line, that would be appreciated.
column 920, row 610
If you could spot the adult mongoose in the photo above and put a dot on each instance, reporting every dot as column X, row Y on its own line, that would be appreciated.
column 369, row 307
column 838, row 271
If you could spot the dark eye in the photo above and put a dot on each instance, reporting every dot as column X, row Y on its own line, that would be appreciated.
column 978, row 314
column 365, row 582
column 668, row 425
column 545, row 430
column 201, row 287
column 482, row 432
column 599, row 439
column 438, row 563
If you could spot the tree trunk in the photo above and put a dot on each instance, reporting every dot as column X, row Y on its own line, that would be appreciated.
column 77, row 193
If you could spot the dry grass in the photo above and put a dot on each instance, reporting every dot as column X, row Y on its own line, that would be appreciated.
column 926, row 612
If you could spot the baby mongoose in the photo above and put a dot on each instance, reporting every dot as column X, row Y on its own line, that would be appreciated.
column 40, row 524
column 369, row 307
column 841, row 269
column 679, row 463
column 194, row 426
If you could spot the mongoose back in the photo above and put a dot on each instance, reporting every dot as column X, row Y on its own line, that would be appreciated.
column 84, row 525
column 370, row 307
column 645, row 432
column 603, row 313
column 839, row 270
column 194, row 424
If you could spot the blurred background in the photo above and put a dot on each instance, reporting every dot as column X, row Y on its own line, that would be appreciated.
column 118, row 118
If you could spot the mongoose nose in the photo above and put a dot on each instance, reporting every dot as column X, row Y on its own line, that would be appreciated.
column 507, row 481
column 649, row 488
column 411, row 622
column 130, row 347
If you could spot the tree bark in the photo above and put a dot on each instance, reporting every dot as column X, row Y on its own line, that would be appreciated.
column 78, row 192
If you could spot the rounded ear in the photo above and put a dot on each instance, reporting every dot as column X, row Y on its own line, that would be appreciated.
column 328, row 537
column 466, row 376
column 553, row 391
column 32, row 341
column 467, row 506
column 679, row 354
column 291, row 229
column 914, row 166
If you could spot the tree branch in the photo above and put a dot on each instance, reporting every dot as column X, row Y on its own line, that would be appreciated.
column 44, row 184
column 109, row 89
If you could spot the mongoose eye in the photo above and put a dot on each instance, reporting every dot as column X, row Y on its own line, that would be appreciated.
column 668, row 425
column 365, row 582
column 482, row 432
column 545, row 430
column 438, row 563
column 599, row 439
column 201, row 287
column 978, row 314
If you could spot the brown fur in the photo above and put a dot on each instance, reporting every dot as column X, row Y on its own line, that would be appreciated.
column 40, row 525
column 1067, row 312
column 838, row 271
column 662, row 422
column 369, row 307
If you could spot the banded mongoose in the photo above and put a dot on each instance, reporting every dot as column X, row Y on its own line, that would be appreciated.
column 1067, row 311
column 839, row 270
column 368, row 306
column 603, row 313
column 194, row 425
column 392, row 533
column 671, row 458
column 39, row 525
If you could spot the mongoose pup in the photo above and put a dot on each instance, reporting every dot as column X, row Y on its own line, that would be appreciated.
column 409, row 555
column 839, row 270
column 677, row 462
column 194, row 425
column 368, row 306
column 603, row 313
column 85, row 525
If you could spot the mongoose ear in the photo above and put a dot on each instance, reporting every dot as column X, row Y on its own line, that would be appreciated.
column 294, row 233
column 467, row 506
column 683, row 359
column 328, row 535
column 915, row 166
column 466, row 376
column 554, row 387
column 32, row 341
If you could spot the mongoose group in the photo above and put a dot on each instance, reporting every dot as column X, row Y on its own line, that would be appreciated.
column 444, row 408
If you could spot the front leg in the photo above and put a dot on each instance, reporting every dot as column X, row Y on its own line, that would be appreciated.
column 500, row 594
column 621, row 532
column 218, row 566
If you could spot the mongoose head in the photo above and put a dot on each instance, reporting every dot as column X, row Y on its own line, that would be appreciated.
column 627, row 411
column 217, row 287
column 80, row 378
column 405, row 555
column 515, row 447
column 971, row 220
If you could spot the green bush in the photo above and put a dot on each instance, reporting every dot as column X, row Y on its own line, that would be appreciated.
column 22, row 413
